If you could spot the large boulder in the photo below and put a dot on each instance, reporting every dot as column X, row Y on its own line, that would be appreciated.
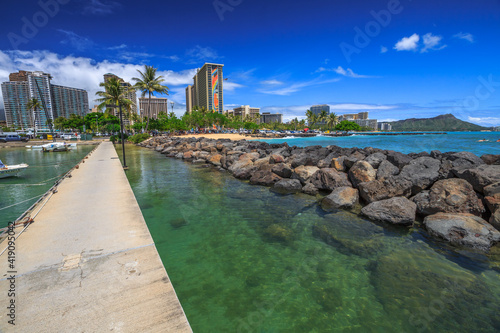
column 310, row 189
column 300, row 159
column 303, row 173
column 422, row 172
column 452, row 195
column 283, row 170
column 329, row 179
column 375, row 159
column 215, row 159
column 491, row 159
column 360, row 172
column 462, row 229
column 398, row 210
column 286, row 186
column 338, row 163
column 264, row 177
column 492, row 189
column 384, row 189
column 340, row 198
column 463, row 160
column 386, row 170
column 398, row 159
column 481, row 176
column 251, row 156
column 276, row 158
column 243, row 169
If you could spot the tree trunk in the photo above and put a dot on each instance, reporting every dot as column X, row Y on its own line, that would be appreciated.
column 149, row 110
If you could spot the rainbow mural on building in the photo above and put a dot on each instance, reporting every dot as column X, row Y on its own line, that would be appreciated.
column 215, row 88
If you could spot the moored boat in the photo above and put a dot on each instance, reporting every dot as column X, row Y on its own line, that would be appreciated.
column 56, row 147
column 11, row 170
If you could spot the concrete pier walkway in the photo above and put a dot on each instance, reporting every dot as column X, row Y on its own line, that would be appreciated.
column 88, row 263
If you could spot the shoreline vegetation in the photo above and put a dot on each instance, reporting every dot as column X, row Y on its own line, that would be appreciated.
column 454, row 195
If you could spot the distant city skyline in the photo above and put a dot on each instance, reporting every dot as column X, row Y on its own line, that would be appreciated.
column 395, row 59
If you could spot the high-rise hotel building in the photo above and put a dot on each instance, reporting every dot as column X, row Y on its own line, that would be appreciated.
column 152, row 108
column 207, row 89
column 57, row 101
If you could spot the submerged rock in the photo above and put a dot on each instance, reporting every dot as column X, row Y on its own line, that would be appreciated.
column 462, row 229
column 278, row 232
column 398, row 210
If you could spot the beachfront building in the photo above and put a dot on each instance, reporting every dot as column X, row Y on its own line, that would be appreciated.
column 267, row 118
column 317, row 109
column 245, row 110
column 57, row 101
column 360, row 118
column 207, row 89
column 158, row 104
column 384, row 127
column 371, row 123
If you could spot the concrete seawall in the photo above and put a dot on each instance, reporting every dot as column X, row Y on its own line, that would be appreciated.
column 88, row 262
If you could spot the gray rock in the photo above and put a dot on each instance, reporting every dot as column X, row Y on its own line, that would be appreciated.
column 398, row 159
column 310, row 189
column 264, row 177
column 398, row 210
column 375, row 159
column 338, row 163
column 422, row 172
column 361, row 172
column 386, row 170
column 463, row 160
column 283, row 170
column 449, row 196
column 340, row 198
column 492, row 189
column 384, row 189
column 329, row 179
column 495, row 219
column 243, row 169
column 276, row 158
column 462, row 229
column 286, row 186
column 481, row 176
column 303, row 173
column 491, row 159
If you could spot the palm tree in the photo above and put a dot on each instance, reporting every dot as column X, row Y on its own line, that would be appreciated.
column 149, row 83
column 34, row 104
column 114, row 95
column 332, row 120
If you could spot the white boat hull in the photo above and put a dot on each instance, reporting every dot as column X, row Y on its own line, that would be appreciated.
column 12, row 170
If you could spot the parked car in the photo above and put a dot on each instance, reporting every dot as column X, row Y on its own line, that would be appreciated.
column 12, row 138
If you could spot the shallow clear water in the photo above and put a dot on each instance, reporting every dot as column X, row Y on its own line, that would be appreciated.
column 44, row 170
column 453, row 141
column 243, row 259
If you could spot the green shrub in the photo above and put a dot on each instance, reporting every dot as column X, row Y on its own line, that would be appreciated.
column 138, row 137
column 118, row 138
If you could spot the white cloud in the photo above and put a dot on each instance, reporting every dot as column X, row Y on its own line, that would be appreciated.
column 85, row 73
column 341, row 71
column 76, row 41
column 485, row 121
column 97, row 7
column 383, row 49
column 431, row 42
column 231, row 86
column 118, row 47
column 296, row 87
column 467, row 36
column 200, row 54
column 408, row 43
column 272, row 82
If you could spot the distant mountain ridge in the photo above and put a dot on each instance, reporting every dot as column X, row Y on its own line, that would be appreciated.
column 444, row 122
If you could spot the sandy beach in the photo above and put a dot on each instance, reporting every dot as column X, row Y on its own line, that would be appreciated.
column 230, row 136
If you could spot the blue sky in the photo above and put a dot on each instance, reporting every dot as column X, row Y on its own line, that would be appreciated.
column 396, row 59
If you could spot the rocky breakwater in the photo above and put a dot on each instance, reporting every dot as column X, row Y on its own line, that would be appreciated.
column 455, row 194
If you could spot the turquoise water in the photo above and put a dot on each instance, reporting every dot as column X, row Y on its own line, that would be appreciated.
column 243, row 259
column 44, row 169
column 453, row 141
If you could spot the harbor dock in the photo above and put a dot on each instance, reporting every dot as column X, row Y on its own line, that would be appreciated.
column 88, row 262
